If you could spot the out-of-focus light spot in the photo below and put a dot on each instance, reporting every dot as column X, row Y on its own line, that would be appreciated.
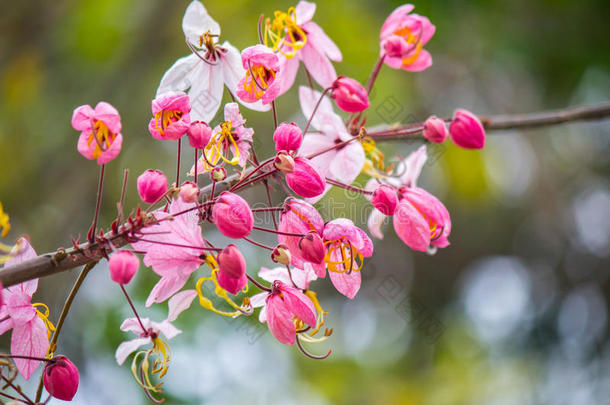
column 591, row 214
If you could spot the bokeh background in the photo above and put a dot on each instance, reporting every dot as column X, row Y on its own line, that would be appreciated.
column 515, row 311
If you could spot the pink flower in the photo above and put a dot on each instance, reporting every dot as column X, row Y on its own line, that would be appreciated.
column 385, row 199
column 350, row 95
column 342, row 164
column 177, row 304
column 403, row 37
column 434, row 213
column 232, row 269
column 306, row 180
column 189, row 192
column 466, row 130
column 123, row 266
column 282, row 304
column 230, row 136
column 411, row 227
column 29, row 337
column 204, row 80
column 171, row 116
column 259, row 83
column 60, row 378
column 100, row 136
column 435, row 130
column 346, row 245
column 152, row 184
column 173, row 249
column 300, row 217
column 199, row 134
column 300, row 39
column 312, row 248
column 287, row 137
column 232, row 215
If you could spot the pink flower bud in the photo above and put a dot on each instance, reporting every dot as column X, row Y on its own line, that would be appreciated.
column 385, row 199
column 123, row 266
column 199, row 134
column 396, row 46
column 312, row 248
column 231, row 269
column 189, row 192
column 281, row 255
column 306, row 180
column 233, row 215
column 60, row 378
column 435, row 130
column 152, row 184
column 466, row 130
column 287, row 137
column 218, row 173
column 284, row 162
column 350, row 95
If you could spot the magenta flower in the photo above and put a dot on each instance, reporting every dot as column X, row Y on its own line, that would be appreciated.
column 173, row 249
column 171, row 117
column 350, row 95
column 403, row 37
column 433, row 212
column 100, row 136
column 466, row 130
column 123, row 265
column 305, row 179
column 199, row 134
column 29, row 336
column 435, row 129
column 60, row 378
column 298, row 38
column 287, row 137
column 385, row 199
column 204, row 76
column 152, row 184
column 260, row 82
column 232, row 269
column 232, row 215
column 342, row 164
column 346, row 245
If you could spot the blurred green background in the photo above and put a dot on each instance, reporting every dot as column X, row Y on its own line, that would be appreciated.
column 515, row 311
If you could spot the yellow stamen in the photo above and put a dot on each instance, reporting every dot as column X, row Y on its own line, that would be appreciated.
column 309, row 336
column 160, row 364
column 284, row 33
column 4, row 222
column 45, row 318
column 258, row 77
column 165, row 118
column 411, row 38
column 374, row 165
column 351, row 258
column 103, row 138
column 220, row 143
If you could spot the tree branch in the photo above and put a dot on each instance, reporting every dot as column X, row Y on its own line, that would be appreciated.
column 62, row 259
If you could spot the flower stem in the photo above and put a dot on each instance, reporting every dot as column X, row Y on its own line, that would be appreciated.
column 133, row 308
column 258, row 244
column 93, row 229
column 348, row 187
column 313, row 113
column 178, row 164
column 258, row 228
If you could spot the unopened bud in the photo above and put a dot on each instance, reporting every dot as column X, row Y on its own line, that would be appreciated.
column 123, row 266
column 218, row 173
column 312, row 247
column 152, row 184
column 231, row 269
column 435, row 130
column 189, row 192
column 281, row 255
column 385, row 199
column 199, row 134
column 284, row 162
column 60, row 378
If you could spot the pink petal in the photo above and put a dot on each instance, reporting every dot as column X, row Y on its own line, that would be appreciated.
column 5, row 325
column 19, row 307
column 197, row 21
column 81, row 118
column 348, row 163
column 414, row 164
column 322, row 42
column 304, row 11
column 168, row 330
column 112, row 151
column 287, row 74
column 411, row 226
column 366, row 244
column 277, row 273
column 346, row 284
column 128, row 347
column 395, row 17
column 300, row 305
column 24, row 251
column 109, row 115
column 165, row 288
column 308, row 99
column 29, row 339
column 320, row 67
column 133, row 325
column 423, row 62
column 279, row 319
column 179, row 303
column 83, row 145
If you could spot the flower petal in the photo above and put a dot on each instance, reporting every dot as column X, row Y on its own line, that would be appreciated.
column 196, row 22
column 29, row 339
column 179, row 303
column 346, row 284
column 128, row 347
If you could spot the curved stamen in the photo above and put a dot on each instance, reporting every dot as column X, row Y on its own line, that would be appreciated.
column 311, row 356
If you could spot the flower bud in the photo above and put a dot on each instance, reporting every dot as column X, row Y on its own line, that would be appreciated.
column 233, row 215
column 395, row 46
column 60, row 378
column 189, row 192
column 466, row 130
column 306, row 180
column 350, row 95
column 152, row 184
column 281, row 255
column 199, row 134
column 231, row 269
column 218, row 173
column 435, row 130
column 385, row 199
column 312, row 247
column 287, row 137
column 123, row 266
column 284, row 162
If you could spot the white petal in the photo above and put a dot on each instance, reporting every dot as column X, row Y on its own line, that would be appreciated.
column 197, row 22
column 180, row 302
column 206, row 91
column 178, row 76
column 128, row 347
column 374, row 223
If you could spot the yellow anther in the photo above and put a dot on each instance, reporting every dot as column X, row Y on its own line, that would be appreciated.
column 141, row 366
column 259, row 76
column 220, row 292
column 165, row 118
column 45, row 318
column 351, row 260
column 283, row 34
column 5, row 225
column 219, row 144
column 413, row 39
column 102, row 136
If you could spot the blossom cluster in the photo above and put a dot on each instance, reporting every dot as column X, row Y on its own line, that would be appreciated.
column 331, row 150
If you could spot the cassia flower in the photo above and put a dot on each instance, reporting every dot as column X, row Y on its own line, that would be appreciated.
column 152, row 184
column 306, row 180
column 100, row 137
column 171, row 119
column 350, row 95
column 199, row 134
column 232, row 269
column 384, row 198
column 232, row 215
column 60, row 378
column 435, row 129
column 260, row 82
column 466, row 130
column 123, row 265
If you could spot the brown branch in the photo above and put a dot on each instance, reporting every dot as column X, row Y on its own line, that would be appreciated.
column 62, row 260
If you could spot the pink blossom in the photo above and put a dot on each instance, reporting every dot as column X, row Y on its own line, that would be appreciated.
column 232, row 215
column 287, row 137
column 312, row 248
column 123, row 265
column 60, row 378
column 232, row 269
column 171, row 117
column 350, row 95
column 347, row 245
column 466, row 130
column 306, row 180
column 342, row 164
column 433, row 211
column 199, row 134
column 189, row 192
column 173, row 249
column 177, row 304
column 385, row 199
column 100, row 136
column 300, row 217
column 204, row 81
column 411, row 227
column 260, row 82
column 29, row 336
column 403, row 37
column 152, row 184
column 435, row 129
column 309, row 44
